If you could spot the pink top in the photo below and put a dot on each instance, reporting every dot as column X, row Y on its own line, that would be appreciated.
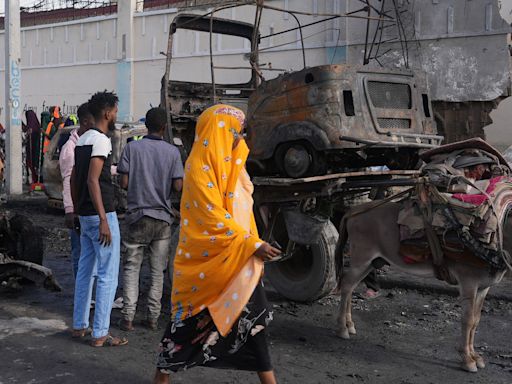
column 66, row 163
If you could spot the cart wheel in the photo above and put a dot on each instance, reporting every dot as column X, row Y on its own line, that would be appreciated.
column 310, row 273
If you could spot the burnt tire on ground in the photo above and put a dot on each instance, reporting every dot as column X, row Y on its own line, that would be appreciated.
column 27, row 240
column 310, row 273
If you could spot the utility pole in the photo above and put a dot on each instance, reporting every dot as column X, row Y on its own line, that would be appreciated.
column 13, row 106
column 125, row 51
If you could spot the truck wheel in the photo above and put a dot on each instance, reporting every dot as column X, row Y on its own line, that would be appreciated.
column 299, row 159
column 294, row 160
column 310, row 273
column 27, row 240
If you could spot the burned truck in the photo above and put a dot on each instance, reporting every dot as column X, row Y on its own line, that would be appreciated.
column 314, row 135
column 334, row 118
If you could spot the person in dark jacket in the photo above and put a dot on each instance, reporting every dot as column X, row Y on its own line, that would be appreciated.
column 33, row 131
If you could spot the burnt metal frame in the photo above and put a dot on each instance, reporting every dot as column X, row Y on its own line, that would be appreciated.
column 372, row 50
column 203, row 23
column 208, row 23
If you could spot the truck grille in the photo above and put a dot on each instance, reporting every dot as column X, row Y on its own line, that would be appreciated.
column 386, row 123
column 390, row 95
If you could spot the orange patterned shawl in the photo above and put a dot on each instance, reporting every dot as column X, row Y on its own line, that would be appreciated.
column 213, row 246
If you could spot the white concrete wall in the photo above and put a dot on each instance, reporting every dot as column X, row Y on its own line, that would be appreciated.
column 500, row 131
column 64, row 63
column 460, row 44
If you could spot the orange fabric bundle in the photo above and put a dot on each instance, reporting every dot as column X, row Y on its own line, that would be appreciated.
column 213, row 246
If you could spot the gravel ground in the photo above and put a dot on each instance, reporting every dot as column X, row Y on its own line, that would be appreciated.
column 404, row 336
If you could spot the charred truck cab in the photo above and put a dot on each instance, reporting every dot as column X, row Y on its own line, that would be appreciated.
column 313, row 135
column 333, row 118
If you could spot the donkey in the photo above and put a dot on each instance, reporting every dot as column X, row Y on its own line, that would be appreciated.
column 374, row 235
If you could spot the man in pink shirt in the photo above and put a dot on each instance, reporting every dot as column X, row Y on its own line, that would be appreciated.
column 66, row 162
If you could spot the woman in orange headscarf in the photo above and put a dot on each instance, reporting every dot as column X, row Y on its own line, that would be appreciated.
column 219, row 308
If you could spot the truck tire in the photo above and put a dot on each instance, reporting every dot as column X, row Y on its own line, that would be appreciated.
column 310, row 273
column 27, row 240
column 299, row 159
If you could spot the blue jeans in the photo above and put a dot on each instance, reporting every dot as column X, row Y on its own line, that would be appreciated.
column 75, row 249
column 106, row 262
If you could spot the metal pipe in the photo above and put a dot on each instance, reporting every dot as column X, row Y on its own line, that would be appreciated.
column 304, row 26
column 261, row 69
column 301, row 39
column 366, row 59
column 254, row 57
column 320, row 14
column 167, row 75
column 392, row 143
column 420, row 135
column 381, row 183
column 212, row 68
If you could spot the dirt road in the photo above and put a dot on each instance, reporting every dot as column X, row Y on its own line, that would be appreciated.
column 403, row 337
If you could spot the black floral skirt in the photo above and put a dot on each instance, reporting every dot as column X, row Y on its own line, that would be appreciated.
column 196, row 341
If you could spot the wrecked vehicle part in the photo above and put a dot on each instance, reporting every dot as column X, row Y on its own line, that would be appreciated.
column 36, row 273
column 328, row 112
column 306, row 221
column 299, row 215
column 295, row 121
column 306, row 272
column 313, row 134
column 185, row 101
column 21, row 252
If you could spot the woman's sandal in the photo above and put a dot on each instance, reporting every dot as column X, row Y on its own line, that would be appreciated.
column 109, row 341
column 80, row 333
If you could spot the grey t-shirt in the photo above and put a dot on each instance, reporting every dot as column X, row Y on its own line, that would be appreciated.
column 151, row 164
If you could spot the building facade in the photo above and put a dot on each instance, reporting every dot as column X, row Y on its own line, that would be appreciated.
column 462, row 45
